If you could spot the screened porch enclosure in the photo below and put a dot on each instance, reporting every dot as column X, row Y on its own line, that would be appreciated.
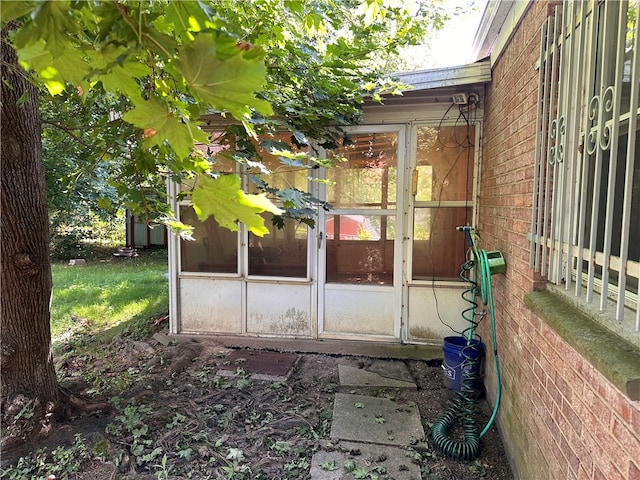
column 382, row 264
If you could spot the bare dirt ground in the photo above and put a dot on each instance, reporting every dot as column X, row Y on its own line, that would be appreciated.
column 172, row 415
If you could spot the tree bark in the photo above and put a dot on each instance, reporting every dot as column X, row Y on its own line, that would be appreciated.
column 26, row 368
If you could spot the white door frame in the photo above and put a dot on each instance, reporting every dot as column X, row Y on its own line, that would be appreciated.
column 395, row 291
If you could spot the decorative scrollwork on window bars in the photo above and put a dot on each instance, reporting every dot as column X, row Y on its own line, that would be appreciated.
column 562, row 130
column 607, row 105
column 600, row 114
column 594, row 131
column 557, row 136
column 553, row 133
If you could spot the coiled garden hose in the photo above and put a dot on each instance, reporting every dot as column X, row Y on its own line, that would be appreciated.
column 469, row 296
column 461, row 408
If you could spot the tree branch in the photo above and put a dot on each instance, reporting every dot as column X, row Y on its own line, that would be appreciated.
column 67, row 130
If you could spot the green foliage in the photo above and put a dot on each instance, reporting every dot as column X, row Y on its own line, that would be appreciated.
column 281, row 447
column 132, row 430
column 296, row 468
column 479, row 468
column 216, row 82
column 329, row 466
column 323, row 58
column 152, row 57
column 349, row 465
column 61, row 463
column 26, row 411
column 163, row 470
column 143, row 74
column 82, row 154
column 77, row 233
column 223, row 198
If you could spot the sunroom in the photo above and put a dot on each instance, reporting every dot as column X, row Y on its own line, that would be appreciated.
column 382, row 264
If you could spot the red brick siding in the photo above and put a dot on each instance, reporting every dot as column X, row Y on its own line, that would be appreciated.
column 560, row 419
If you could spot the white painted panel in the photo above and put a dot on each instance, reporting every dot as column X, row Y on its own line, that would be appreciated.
column 360, row 312
column 156, row 236
column 210, row 305
column 428, row 305
column 140, row 234
column 279, row 309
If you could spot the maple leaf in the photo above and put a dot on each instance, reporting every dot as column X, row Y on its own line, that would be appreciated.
column 223, row 198
column 153, row 115
column 227, row 84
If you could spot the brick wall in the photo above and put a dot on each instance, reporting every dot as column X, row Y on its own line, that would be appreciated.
column 560, row 419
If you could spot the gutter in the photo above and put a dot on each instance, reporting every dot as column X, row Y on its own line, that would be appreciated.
column 499, row 22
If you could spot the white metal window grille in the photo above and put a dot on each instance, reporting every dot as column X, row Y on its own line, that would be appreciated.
column 585, row 225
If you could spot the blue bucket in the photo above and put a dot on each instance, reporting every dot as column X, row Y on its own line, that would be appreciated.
column 459, row 358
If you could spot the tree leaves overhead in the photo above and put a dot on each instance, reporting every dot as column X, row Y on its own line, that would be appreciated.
column 119, row 45
column 273, row 65
column 321, row 54
column 160, row 125
column 227, row 83
column 169, row 61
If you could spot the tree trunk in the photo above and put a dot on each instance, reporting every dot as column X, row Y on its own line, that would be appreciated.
column 26, row 369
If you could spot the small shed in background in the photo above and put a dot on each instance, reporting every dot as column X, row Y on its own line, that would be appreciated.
column 140, row 234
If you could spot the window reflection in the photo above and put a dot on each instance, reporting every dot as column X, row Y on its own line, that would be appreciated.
column 438, row 249
column 367, row 176
column 445, row 163
column 281, row 253
column 444, row 169
column 360, row 249
column 214, row 248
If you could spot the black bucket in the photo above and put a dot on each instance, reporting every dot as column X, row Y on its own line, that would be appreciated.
column 461, row 358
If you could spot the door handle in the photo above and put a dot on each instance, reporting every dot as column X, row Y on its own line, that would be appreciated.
column 320, row 236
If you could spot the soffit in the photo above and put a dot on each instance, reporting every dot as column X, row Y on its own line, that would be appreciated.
column 457, row 76
column 432, row 87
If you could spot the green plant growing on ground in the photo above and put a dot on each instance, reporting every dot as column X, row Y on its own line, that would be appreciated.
column 329, row 466
column 131, row 430
column 281, row 447
column 163, row 470
column 295, row 468
column 60, row 463
column 235, row 469
column 26, row 411
column 479, row 468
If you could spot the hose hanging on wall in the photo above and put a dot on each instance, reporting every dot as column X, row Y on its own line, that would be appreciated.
column 461, row 407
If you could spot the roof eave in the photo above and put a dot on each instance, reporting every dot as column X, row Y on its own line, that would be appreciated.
column 498, row 23
column 479, row 72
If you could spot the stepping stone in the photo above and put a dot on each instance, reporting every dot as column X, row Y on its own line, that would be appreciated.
column 261, row 364
column 384, row 374
column 381, row 460
column 366, row 419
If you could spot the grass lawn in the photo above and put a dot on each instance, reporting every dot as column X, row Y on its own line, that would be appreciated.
column 104, row 293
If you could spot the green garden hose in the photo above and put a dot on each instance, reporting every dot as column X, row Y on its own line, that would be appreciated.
column 486, row 293
column 461, row 408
